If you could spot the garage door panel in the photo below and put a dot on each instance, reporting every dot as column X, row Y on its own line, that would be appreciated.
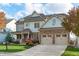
column 60, row 39
column 46, row 39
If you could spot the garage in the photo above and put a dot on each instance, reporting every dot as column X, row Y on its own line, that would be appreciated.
column 56, row 36
column 47, row 39
column 61, row 39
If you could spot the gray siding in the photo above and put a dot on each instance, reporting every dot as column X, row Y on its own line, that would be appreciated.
column 19, row 27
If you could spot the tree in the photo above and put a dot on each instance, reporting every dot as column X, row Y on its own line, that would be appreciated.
column 2, row 20
column 71, row 21
column 8, row 39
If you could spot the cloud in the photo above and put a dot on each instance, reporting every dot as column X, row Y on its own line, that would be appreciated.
column 1, row 10
column 29, row 7
column 5, row 4
column 38, row 7
column 20, row 14
column 19, row 4
column 9, row 16
column 56, row 8
column 48, row 8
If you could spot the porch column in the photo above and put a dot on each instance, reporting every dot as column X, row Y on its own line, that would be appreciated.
column 28, row 34
column 22, row 36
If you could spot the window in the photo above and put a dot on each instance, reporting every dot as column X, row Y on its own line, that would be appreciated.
column 53, row 22
column 44, row 35
column 49, row 35
column 27, row 24
column 64, row 35
column 36, row 25
column 57, row 35
column 18, row 36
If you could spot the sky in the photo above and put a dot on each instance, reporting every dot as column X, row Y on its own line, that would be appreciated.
column 19, row 10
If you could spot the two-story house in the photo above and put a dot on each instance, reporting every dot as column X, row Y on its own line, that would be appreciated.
column 45, row 28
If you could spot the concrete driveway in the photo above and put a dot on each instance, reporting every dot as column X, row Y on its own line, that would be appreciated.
column 41, row 50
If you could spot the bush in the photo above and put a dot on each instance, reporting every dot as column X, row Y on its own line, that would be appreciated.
column 36, row 41
column 9, row 38
column 29, row 42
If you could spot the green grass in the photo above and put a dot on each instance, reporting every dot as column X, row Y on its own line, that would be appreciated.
column 71, row 51
column 13, row 48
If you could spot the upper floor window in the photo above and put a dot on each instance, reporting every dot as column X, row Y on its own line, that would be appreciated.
column 53, row 22
column 26, row 24
column 36, row 25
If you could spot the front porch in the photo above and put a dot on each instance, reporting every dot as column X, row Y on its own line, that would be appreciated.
column 22, row 36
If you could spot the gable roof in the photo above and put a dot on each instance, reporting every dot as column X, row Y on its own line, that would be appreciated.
column 29, row 18
column 53, row 15
column 8, row 20
column 19, row 22
column 39, row 17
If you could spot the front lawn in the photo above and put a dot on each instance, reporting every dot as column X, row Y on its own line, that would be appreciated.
column 71, row 51
column 13, row 48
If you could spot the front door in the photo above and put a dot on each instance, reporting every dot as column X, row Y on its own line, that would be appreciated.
column 46, row 39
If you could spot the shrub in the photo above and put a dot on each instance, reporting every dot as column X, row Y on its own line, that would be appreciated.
column 36, row 41
column 29, row 42
column 9, row 38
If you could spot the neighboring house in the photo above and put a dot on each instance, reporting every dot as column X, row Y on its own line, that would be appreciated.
column 3, row 32
column 11, row 26
column 45, row 28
